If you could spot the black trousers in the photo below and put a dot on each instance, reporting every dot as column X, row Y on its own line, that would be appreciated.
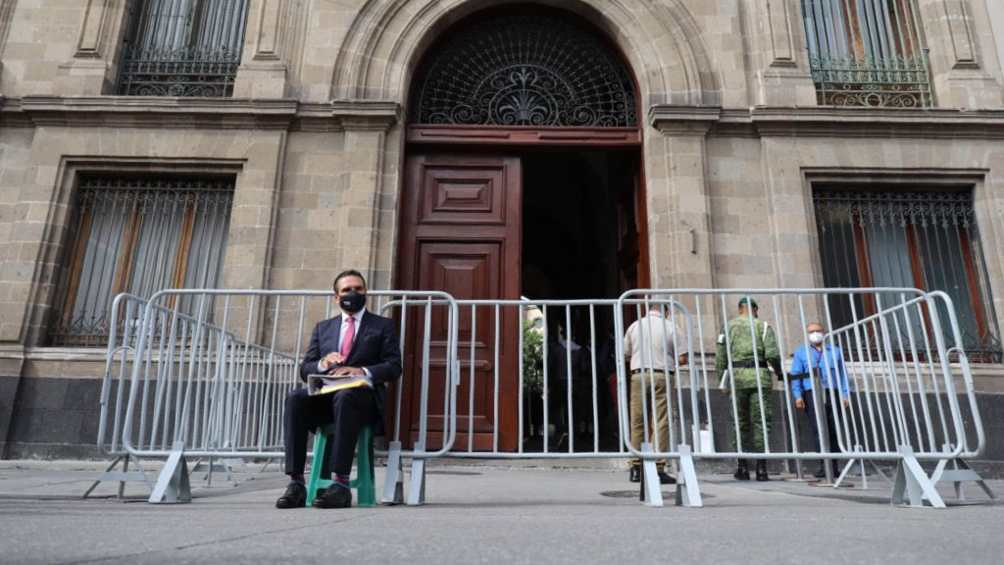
column 831, row 424
column 349, row 410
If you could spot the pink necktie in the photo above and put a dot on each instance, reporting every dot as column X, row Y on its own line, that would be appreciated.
column 350, row 332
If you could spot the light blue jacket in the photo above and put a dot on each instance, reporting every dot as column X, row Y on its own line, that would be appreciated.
column 830, row 358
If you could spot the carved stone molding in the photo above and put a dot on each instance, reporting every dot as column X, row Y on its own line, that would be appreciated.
column 381, row 115
column 198, row 113
column 6, row 17
column 266, row 46
column 960, row 30
column 273, row 48
column 779, row 27
column 683, row 120
column 93, row 28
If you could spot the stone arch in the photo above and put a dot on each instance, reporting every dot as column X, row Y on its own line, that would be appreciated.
column 660, row 41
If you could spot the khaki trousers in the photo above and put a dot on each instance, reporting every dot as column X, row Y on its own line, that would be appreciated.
column 658, row 434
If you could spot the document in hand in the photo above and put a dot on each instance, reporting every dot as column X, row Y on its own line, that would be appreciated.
column 326, row 384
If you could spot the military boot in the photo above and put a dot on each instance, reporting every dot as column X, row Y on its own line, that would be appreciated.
column 761, row 470
column 742, row 472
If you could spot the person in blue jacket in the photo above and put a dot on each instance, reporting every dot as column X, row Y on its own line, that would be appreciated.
column 823, row 362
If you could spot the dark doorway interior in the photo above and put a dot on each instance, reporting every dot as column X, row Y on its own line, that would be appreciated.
column 580, row 241
column 580, row 235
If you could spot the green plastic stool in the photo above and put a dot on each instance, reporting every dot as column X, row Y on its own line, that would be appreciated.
column 364, row 481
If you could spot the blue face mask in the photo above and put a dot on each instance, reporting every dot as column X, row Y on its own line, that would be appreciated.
column 352, row 302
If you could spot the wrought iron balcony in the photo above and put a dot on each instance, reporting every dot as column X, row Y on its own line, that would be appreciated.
column 192, row 71
column 891, row 82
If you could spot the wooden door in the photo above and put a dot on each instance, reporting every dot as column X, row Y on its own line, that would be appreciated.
column 461, row 233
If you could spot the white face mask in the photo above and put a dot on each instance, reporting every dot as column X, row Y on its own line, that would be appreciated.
column 816, row 338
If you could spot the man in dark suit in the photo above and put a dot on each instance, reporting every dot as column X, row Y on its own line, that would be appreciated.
column 356, row 343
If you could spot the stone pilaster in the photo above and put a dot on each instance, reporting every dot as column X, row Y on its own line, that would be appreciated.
column 960, row 46
column 678, row 206
column 86, row 73
column 6, row 17
column 365, row 129
column 777, row 44
column 274, row 30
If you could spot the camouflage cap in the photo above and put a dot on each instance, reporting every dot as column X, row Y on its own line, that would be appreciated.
column 747, row 300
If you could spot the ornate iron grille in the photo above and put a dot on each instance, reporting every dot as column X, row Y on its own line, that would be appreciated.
column 926, row 240
column 521, row 70
column 867, row 53
column 183, row 48
column 138, row 235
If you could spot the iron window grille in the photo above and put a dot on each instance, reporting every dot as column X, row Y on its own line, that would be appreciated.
column 867, row 53
column 183, row 47
column 917, row 239
column 138, row 235
column 511, row 69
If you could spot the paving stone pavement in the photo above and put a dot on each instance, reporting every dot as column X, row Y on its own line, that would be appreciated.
column 487, row 514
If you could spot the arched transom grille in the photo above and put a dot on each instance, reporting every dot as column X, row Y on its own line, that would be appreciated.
column 524, row 70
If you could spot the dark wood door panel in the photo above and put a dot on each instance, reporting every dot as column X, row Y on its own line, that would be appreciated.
column 461, row 233
column 453, row 194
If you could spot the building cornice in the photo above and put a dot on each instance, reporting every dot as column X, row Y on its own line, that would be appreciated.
column 828, row 122
column 380, row 115
column 878, row 122
column 196, row 113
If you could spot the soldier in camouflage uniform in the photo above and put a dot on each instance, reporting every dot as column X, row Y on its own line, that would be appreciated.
column 739, row 339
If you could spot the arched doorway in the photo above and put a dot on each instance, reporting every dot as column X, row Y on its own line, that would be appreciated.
column 522, row 178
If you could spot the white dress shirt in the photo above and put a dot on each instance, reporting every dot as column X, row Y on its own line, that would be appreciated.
column 322, row 365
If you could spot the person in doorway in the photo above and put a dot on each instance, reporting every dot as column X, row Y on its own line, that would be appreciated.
column 356, row 343
column 650, row 349
column 823, row 361
column 744, row 350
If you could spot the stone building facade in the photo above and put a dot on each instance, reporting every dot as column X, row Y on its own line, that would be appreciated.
column 313, row 125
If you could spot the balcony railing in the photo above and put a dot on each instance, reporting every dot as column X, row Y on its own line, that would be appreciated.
column 867, row 53
column 182, row 47
column 179, row 72
column 893, row 82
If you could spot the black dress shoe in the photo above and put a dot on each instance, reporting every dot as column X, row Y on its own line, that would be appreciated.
column 761, row 471
column 742, row 471
column 634, row 475
column 665, row 479
column 820, row 473
column 337, row 496
column 294, row 497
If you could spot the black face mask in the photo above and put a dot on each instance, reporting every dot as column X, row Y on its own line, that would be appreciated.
column 352, row 302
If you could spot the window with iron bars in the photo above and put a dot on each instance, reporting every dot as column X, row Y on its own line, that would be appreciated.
column 138, row 235
column 182, row 47
column 908, row 239
column 867, row 53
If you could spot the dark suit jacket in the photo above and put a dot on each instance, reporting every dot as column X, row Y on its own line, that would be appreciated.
column 375, row 348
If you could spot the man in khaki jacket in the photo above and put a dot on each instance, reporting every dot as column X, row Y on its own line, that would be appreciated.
column 650, row 348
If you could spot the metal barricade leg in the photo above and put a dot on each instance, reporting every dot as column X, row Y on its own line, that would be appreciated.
column 959, row 473
column 651, row 490
column 173, row 485
column 912, row 485
column 393, row 485
column 688, row 490
column 122, row 477
column 416, row 490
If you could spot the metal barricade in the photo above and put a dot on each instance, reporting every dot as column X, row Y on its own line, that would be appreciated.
column 900, row 401
column 534, row 380
column 210, row 370
column 126, row 311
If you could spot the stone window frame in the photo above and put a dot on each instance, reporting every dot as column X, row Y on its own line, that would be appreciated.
column 870, row 178
column 45, row 289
